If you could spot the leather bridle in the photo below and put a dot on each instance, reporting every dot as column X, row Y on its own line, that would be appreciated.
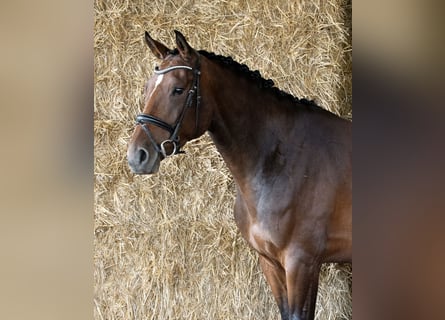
column 173, row 140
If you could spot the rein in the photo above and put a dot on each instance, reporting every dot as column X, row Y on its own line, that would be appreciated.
column 173, row 140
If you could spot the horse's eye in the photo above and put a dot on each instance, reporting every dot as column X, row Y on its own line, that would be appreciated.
column 177, row 91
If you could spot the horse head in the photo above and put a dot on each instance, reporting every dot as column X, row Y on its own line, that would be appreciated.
column 171, row 115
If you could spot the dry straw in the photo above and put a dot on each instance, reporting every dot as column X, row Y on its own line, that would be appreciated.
column 166, row 246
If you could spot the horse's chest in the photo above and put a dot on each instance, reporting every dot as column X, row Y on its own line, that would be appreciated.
column 261, row 240
column 259, row 232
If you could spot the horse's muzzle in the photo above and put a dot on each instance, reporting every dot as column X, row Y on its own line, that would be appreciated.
column 143, row 161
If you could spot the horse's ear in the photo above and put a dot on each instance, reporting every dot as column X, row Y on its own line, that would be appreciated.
column 185, row 50
column 158, row 49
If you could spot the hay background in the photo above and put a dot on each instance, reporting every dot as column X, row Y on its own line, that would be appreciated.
column 166, row 246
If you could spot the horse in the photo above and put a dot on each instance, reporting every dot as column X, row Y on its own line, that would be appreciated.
column 291, row 161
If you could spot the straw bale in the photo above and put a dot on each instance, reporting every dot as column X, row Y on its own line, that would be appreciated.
column 166, row 245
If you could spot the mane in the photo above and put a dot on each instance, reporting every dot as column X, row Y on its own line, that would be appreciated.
column 262, row 83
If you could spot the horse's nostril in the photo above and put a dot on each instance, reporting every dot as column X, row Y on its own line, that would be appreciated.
column 143, row 155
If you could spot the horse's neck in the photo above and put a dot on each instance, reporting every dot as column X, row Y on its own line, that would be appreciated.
column 247, row 123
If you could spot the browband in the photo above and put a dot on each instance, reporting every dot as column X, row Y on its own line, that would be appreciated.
column 157, row 71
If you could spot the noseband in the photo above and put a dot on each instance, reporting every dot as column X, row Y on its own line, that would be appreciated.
column 173, row 140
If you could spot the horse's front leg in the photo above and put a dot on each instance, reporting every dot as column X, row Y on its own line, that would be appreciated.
column 311, row 299
column 299, row 279
column 276, row 278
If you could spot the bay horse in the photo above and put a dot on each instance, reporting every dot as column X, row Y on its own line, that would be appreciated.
column 291, row 161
